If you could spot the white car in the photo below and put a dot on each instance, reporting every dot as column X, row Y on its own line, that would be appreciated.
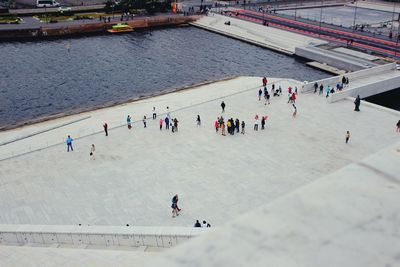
column 64, row 9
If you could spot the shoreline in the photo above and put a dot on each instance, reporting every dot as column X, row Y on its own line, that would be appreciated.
column 68, row 30
column 109, row 104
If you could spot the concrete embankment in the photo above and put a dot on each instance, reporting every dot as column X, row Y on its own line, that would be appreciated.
column 97, row 27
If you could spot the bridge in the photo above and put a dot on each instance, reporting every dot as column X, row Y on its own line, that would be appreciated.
column 365, row 82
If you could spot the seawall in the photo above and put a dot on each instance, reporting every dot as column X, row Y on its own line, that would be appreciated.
column 97, row 27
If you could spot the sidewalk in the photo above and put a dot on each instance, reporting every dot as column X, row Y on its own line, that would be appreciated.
column 269, row 37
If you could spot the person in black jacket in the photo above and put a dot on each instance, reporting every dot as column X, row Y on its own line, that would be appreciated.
column 357, row 103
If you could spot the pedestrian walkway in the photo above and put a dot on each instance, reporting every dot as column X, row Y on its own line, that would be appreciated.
column 365, row 83
column 268, row 37
column 217, row 177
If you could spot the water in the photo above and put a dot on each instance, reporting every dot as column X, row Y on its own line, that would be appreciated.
column 389, row 99
column 43, row 78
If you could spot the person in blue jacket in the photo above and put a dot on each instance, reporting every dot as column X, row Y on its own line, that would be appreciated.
column 166, row 123
column 69, row 143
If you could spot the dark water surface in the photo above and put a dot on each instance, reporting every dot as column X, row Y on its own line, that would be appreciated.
column 389, row 99
column 43, row 78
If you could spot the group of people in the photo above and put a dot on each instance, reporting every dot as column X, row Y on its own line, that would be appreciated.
column 232, row 125
column 202, row 225
column 169, row 122
column 331, row 89
column 257, row 122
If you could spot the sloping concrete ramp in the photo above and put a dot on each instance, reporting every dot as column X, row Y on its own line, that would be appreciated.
column 348, row 218
column 365, row 83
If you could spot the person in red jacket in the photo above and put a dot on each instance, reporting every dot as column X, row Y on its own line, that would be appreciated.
column 105, row 126
column 264, row 81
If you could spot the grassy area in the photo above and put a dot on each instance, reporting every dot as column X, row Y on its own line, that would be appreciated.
column 65, row 17
column 10, row 20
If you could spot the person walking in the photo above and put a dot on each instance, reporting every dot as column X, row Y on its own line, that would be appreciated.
column 259, row 94
column 293, row 98
column 343, row 81
column 398, row 127
column 223, row 106
column 223, row 129
column 92, row 149
column 174, row 206
column 166, row 123
column 154, row 113
column 294, row 110
column 175, row 124
column 315, row 87
column 357, row 103
column 161, row 123
column 144, row 121
column 267, row 97
column 328, row 89
column 105, row 127
column 347, row 136
column 129, row 122
column 321, row 89
column 69, row 143
column 198, row 120
column 243, row 126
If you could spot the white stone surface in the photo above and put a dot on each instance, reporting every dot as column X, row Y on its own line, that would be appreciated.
column 360, row 78
column 275, row 39
column 15, row 256
column 217, row 178
column 355, row 53
column 348, row 218
column 333, row 58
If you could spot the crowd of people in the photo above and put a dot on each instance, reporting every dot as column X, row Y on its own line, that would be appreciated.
column 231, row 125
column 331, row 88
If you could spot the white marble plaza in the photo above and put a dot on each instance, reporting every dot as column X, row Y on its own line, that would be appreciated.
column 136, row 172
column 349, row 218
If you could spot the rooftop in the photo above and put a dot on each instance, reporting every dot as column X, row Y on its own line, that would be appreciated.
column 218, row 178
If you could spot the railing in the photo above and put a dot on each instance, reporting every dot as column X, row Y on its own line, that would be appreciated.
column 103, row 236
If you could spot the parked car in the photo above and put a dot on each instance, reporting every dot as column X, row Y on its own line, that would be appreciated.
column 64, row 9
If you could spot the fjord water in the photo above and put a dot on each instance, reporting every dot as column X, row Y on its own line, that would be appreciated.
column 44, row 78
